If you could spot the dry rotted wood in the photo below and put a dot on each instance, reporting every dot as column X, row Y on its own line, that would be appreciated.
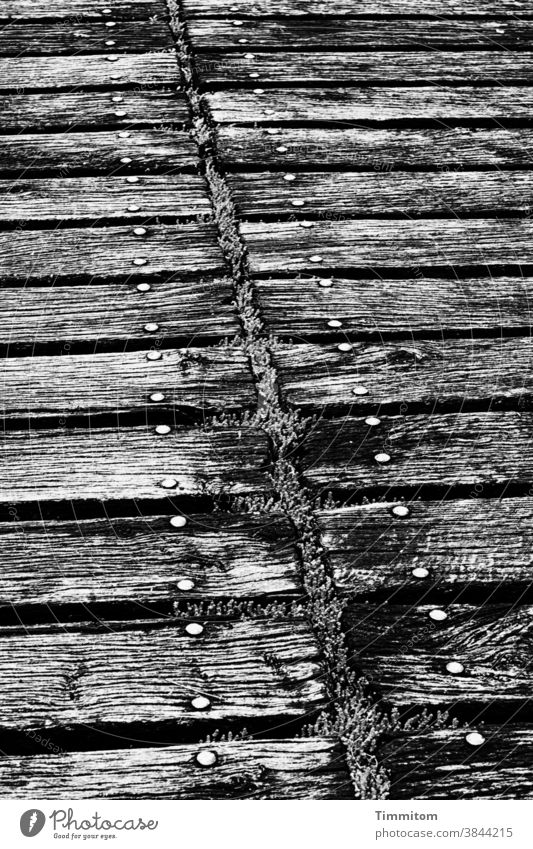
column 262, row 769
column 91, row 198
column 81, row 72
column 405, row 652
column 369, row 149
column 339, row 195
column 378, row 105
column 247, row 669
column 443, row 765
column 191, row 378
column 480, row 544
column 70, row 38
column 405, row 373
column 131, row 462
column 99, row 152
column 343, row 67
column 110, row 312
column 81, row 10
column 438, row 450
column 370, row 244
column 143, row 559
column 27, row 112
column 300, row 306
column 109, row 252
column 297, row 8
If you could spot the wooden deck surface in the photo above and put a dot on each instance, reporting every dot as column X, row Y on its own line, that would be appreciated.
column 266, row 276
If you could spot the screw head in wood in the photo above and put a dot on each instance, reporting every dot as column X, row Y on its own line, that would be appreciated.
column 124, row 135
column 154, row 355
column 194, row 629
column 125, row 160
column 120, row 113
column 157, row 396
column 454, row 667
column 185, row 585
column 420, row 572
column 372, row 421
column 162, row 430
column 144, row 287
column 169, row 483
column 360, row 390
column 133, row 208
column 297, row 202
column 334, row 322
column 474, row 738
column 382, row 457
column 140, row 261
column 206, row 757
column 345, row 347
column 111, row 58
column 132, row 179
column 178, row 521
column 438, row 615
column 200, row 703
column 401, row 510
column 117, row 99
column 139, row 231
column 289, row 178
column 152, row 327
column 259, row 91
column 316, row 258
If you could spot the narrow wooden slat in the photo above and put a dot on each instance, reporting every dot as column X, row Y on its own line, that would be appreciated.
column 388, row 244
column 340, row 195
column 478, row 544
column 106, row 463
column 330, row 34
column 405, row 652
column 344, row 67
column 81, row 10
column 192, row 378
column 51, row 72
column 143, row 559
column 117, row 311
column 99, row 152
column 249, row 669
column 91, row 198
column 26, row 112
column 301, row 306
column 369, row 149
column 295, row 8
column 375, row 104
column 443, row 765
column 263, row 769
column 410, row 372
column 108, row 252
column 69, row 38
column 439, row 450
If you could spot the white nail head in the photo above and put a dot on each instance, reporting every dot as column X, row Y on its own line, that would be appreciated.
column 106, row 11
column 454, row 667
column 111, row 58
column 206, row 758
column 316, row 258
column 120, row 113
column 324, row 284
column 178, row 521
column 169, row 483
column 162, row 430
column 259, row 91
column 382, row 457
column 243, row 41
column 253, row 75
column 117, row 99
column 297, row 202
column 200, row 703
column 282, row 149
column 132, row 179
column 110, row 24
column 125, row 160
column 133, row 208
column 289, row 178
column 401, row 510
column 438, row 615
column 185, row 585
column 359, row 390
column 140, row 231
column 110, row 42
column 474, row 738
column 237, row 23
column 140, row 261
column 124, row 135
column 194, row 629
column 372, row 421
column 155, row 355
column 345, row 347
column 144, row 287
column 420, row 572
column 307, row 225
column 157, row 396
column 273, row 131
column 151, row 327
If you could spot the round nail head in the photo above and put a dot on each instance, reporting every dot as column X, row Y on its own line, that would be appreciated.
column 157, row 396
column 345, row 347
column 253, row 75
column 133, row 208
column 194, row 629
column 382, row 457
column 400, row 510
column 125, row 160
column 117, row 99
column 359, row 390
column 144, row 287
column 185, row 585
column 438, row 615
column 297, row 202
column 132, row 179
column 200, row 703
column 273, row 131
column 289, row 178
column 110, row 24
column 237, row 23
column 151, row 327
column 178, row 521
column 454, row 667
column 154, row 355
column 325, row 284
column 420, row 572
column 169, row 483
column 206, row 758
column 112, row 58
column 110, row 42
column 316, row 258
column 124, row 135
column 372, row 421
column 474, row 738
column 140, row 231
column 140, row 261
column 162, row 430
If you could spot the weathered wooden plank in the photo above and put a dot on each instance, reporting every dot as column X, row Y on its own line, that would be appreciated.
column 368, row 149
column 339, row 195
column 108, row 252
column 374, row 104
column 190, row 378
column 278, row 769
column 69, row 38
column 368, row 244
column 439, row 450
column 434, row 373
column 299, row 8
column 478, row 544
column 444, row 765
column 303, row 306
column 131, row 462
column 256, row 668
column 100, row 152
column 80, row 10
column 88, row 199
column 330, row 34
column 406, row 652
column 81, row 72
column 375, row 66
column 26, row 112
column 143, row 559
column 117, row 312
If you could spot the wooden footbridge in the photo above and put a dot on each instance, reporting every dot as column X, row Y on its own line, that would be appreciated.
column 267, row 485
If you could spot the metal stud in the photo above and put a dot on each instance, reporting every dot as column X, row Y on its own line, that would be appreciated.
column 297, row 202
column 178, row 521
column 125, row 160
column 306, row 224
column 132, row 179
column 282, row 149
column 139, row 231
column 144, row 287
column 114, row 76
column 316, row 258
column 273, row 131
column 420, row 572
column 359, row 390
column 207, row 757
column 133, row 208
column 334, row 322
column 401, row 510
column 372, row 421
column 169, row 483
column 382, row 457
column 162, row 430
column 200, row 703
column 157, row 396
column 454, row 667
column 120, row 113
column 151, row 327
column 124, row 135
column 345, row 347
column 259, row 91
column 185, row 585
column 438, row 615
column 117, row 99
column 111, row 58
column 140, row 260
column 194, row 629
column 474, row 738
column 106, row 11
column 289, row 178
column 155, row 355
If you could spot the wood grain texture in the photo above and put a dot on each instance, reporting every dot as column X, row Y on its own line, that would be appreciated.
column 88, row 199
column 374, row 104
column 371, row 149
column 107, row 463
column 439, row 450
column 337, row 195
column 410, row 372
column 191, row 379
column 142, row 559
column 248, row 669
column 81, row 10
column 330, row 34
column 81, row 253
column 405, row 652
column 376, row 66
column 27, row 112
column 51, row 72
column 263, row 769
column 117, row 311
column 442, row 765
column 477, row 544
column 70, row 38
column 388, row 244
column 300, row 306
column 99, row 152
column 304, row 8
